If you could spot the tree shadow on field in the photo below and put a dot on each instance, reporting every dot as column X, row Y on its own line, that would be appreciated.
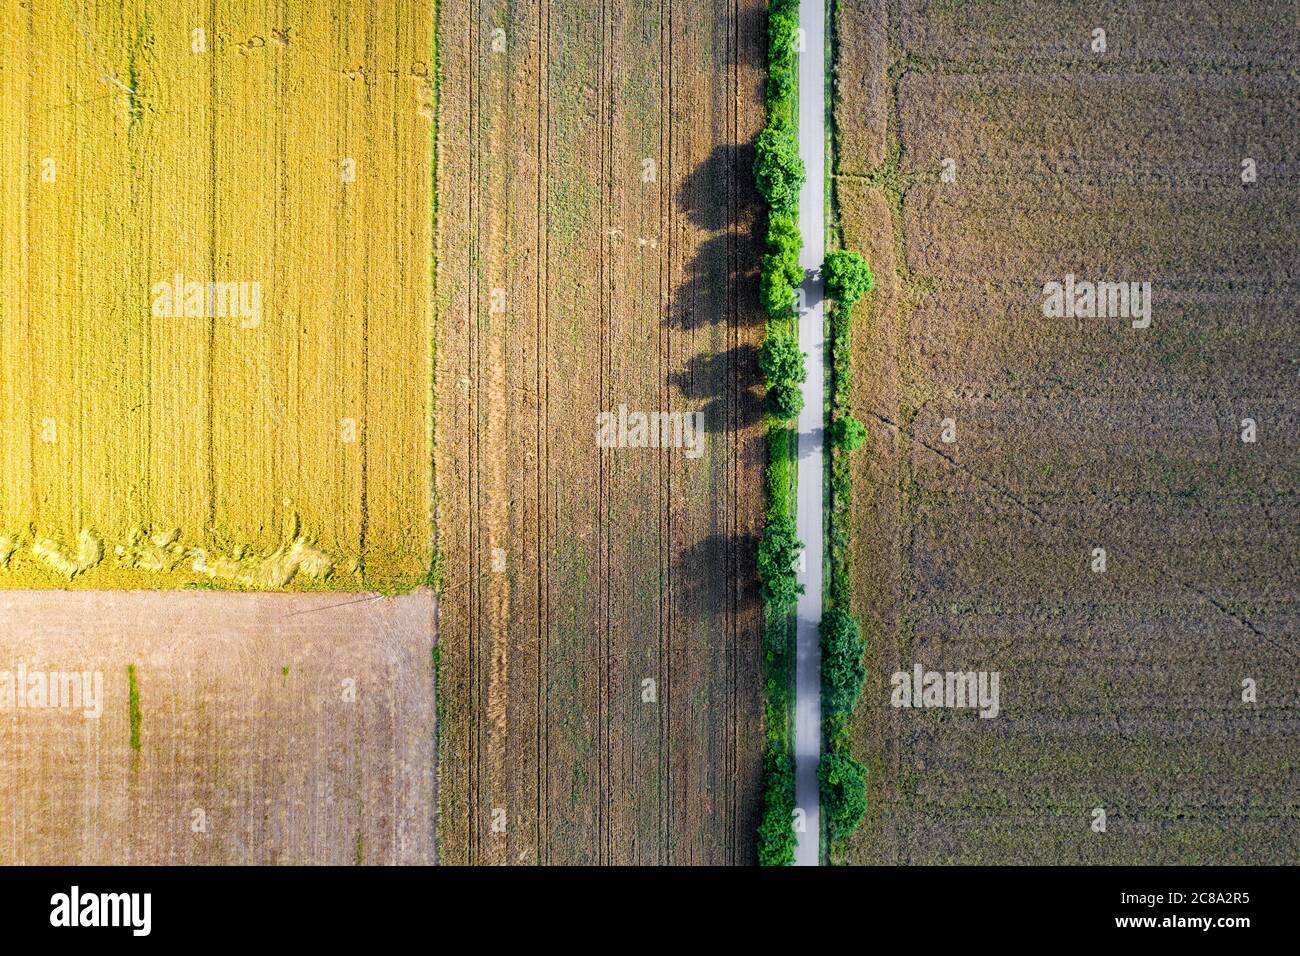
column 752, row 52
column 707, row 573
column 725, row 262
column 715, row 287
column 718, row 285
column 705, row 384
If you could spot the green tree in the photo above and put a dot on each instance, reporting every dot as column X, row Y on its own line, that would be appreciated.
column 785, row 401
column 848, row 433
column 782, row 24
column 843, row 670
column 778, row 550
column 781, row 360
column 774, row 288
column 847, row 276
column 844, row 792
column 776, row 838
column 783, row 245
column 785, row 241
column 778, row 170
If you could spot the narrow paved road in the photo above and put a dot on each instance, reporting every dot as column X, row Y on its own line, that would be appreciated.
column 808, row 707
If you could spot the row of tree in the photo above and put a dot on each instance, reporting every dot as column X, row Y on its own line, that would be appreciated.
column 779, row 175
column 842, row 777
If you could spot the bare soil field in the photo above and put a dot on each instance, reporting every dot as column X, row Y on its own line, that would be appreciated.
column 599, row 619
column 1006, row 445
column 264, row 729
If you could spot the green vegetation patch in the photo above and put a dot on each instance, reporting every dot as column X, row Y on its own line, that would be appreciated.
column 133, row 696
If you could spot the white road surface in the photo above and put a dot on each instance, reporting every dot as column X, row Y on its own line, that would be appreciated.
column 812, row 226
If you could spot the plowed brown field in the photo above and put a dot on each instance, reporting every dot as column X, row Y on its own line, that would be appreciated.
column 599, row 618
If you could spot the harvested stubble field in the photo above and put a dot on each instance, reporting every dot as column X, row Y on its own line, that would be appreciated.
column 272, row 430
column 1121, row 689
column 599, row 621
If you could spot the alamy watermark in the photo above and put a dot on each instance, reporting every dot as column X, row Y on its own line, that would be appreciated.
column 21, row 689
column 951, row 689
column 75, row 908
column 1084, row 299
column 182, row 299
column 634, row 429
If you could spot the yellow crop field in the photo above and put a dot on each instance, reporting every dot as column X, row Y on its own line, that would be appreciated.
column 216, row 294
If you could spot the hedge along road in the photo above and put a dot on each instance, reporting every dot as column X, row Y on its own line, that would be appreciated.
column 809, row 496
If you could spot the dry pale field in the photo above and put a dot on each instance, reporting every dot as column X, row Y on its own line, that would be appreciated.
column 1121, row 690
column 596, row 251
column 269, row 728
column 274, row 432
